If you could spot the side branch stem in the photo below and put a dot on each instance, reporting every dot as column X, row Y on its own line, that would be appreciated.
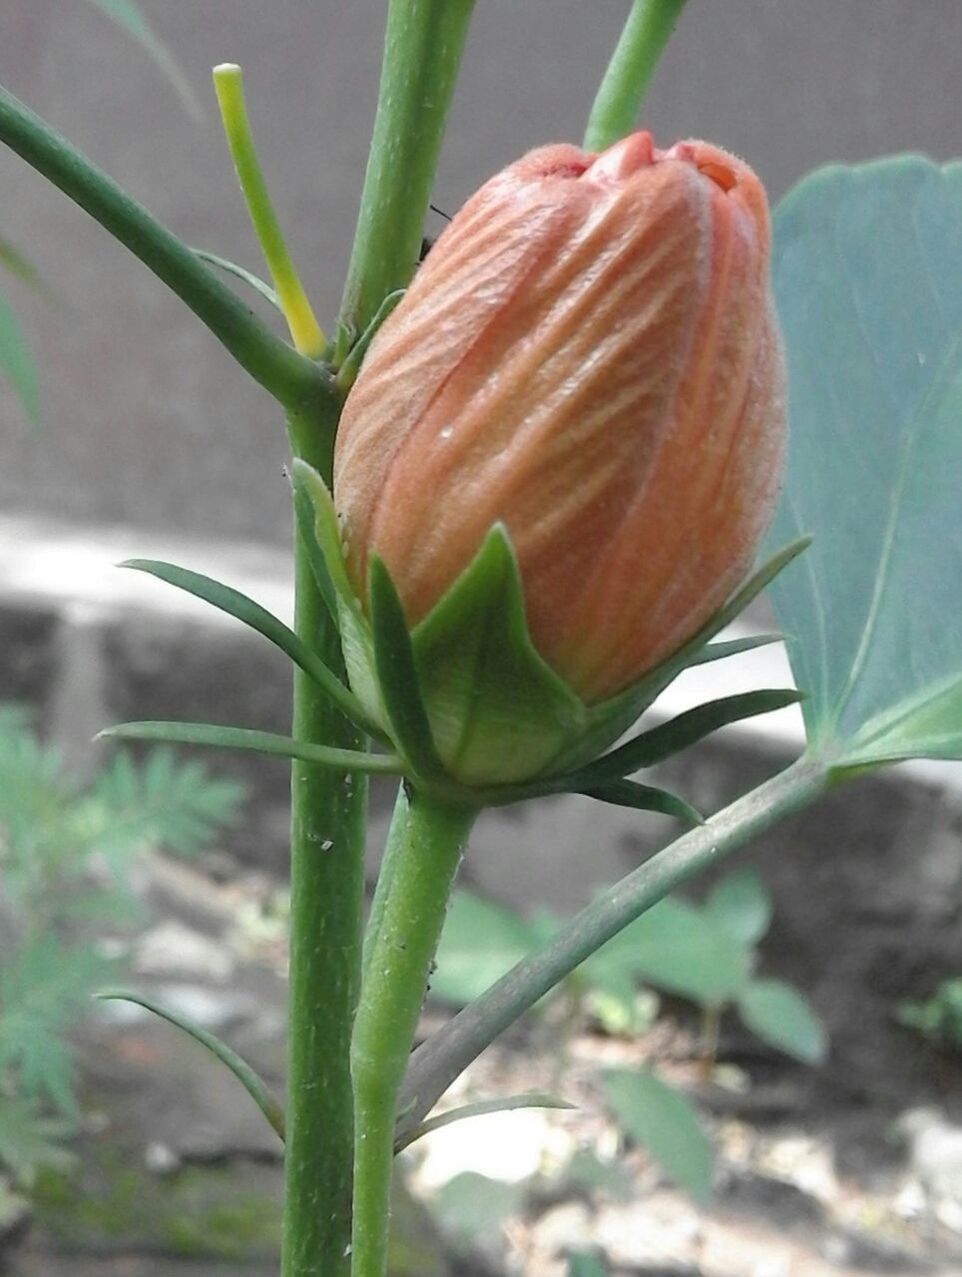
column 288, row 376
column 623, row 89
column 436, row 1064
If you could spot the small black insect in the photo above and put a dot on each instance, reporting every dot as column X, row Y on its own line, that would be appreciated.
column 427, row 241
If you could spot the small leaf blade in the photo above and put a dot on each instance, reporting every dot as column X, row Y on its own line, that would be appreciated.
column 782, row 1017
column 665, row 1124
column 128, row 15
column 741, row 904
column 242, row 273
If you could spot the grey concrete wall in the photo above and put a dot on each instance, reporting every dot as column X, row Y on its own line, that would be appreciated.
column 145, row 418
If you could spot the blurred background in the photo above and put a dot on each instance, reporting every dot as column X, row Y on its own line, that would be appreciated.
column 836, row 1149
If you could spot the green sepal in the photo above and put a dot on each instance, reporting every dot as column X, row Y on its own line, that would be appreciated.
column 497, row 711
column 687, row 729
column 612, row 718
column 397, row 675
column 250, row 1080
column 317, row 522
column 733, row 647
column 244, row 609
column 222, row 737
column 628, row 793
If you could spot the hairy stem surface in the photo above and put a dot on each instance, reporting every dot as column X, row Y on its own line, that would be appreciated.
column 327, row 856
column 427, row 844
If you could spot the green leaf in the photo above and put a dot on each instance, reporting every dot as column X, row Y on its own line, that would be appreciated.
column 497, row 711
column 479, row 943
column 680, row 949
column 665, row 1124
column 251, row 1081
column 42, row 992
column 783, row 1018
column 238, row 605
column 687, row 729
column 471, row 1205
column 740, row 904
column 584, row 1263
column 128, row 15
column 164, row 802
column 16, row 364
column 14, row 261
column 241, row 273
column 628, row 793
column 30, row 1142
column 866, row 268
column 397, row 674
column 219, row 737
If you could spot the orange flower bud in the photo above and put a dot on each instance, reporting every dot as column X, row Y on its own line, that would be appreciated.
column 588, row 355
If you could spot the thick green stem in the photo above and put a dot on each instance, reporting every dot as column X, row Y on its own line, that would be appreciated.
column 428, row 843
column 441, row 1059
column 622, row 91
column 327, row 851
column 288, row 376
column 422, row 54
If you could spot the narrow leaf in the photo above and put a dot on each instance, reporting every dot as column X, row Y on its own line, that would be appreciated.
column 687, row 729
column 238, row 605
column 128, row 15
column 665, row 1124
column 783, row 1018
column 219, row 737
column 628, row 793
column 529, row 1100
column 14, row 261
column 240, row 272
column 397, row 674
column 250, row 1080
column 733, row 647
column 17, row 365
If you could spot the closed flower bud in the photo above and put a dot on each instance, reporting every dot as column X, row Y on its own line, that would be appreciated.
column 589, row 357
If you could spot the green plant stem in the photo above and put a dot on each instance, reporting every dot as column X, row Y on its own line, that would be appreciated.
column 393, row 849
column 327, row 856
column 441, row 1059
column 288, row 376
column 428, row 846
column 422, row 53
column 623, row 89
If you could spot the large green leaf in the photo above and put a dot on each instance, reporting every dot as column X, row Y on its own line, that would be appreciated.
column 867, row 269
column 782, row 1017
column 480, row 942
